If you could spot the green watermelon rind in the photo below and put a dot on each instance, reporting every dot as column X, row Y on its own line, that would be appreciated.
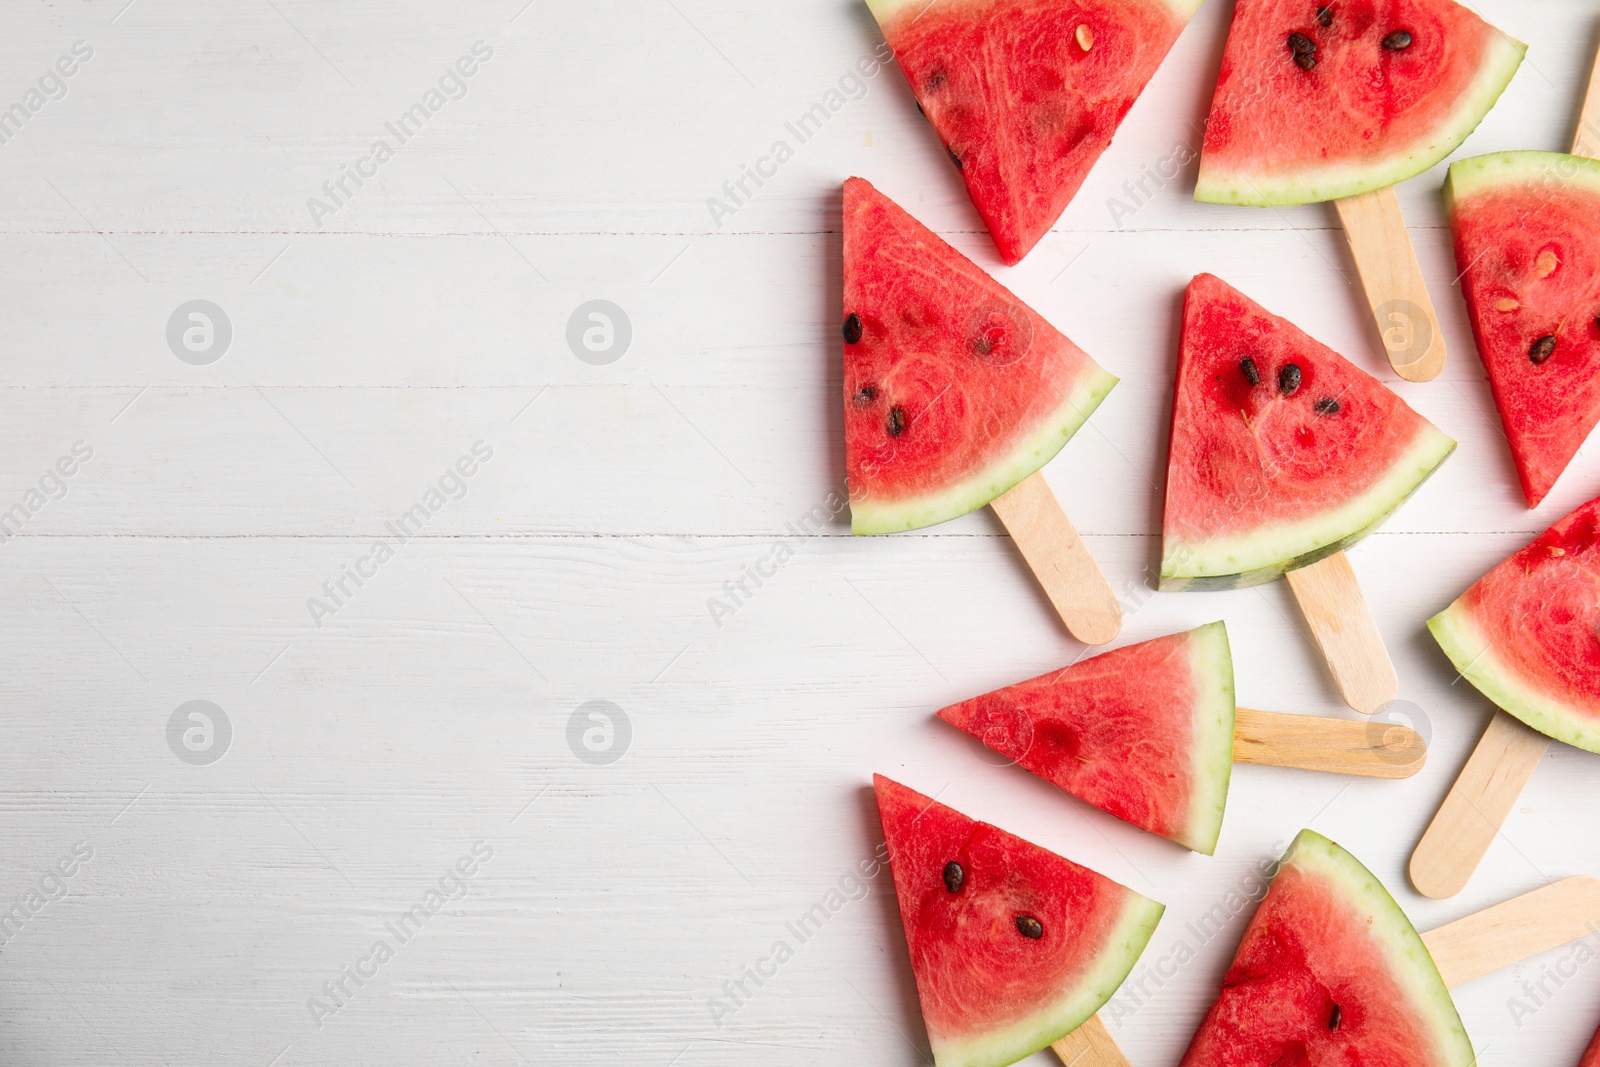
column 1313, row 185
column 868, row 516
column 1411, row 964
column 884, row 10
column 1008, row 1044
column 1214, row 709
column 1266, row 554
column 1464, row 642
column 1488, row 173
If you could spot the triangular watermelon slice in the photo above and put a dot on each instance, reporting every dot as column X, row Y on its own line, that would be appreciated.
column 1330, row 971
column 954, row 390
column 1591, row 1058
column 1529, row 253
column 1323, row 99
column 1283, row 452
column 1026, row 94
column 1013, row 947
column 1528, row 633
column 1144, row 732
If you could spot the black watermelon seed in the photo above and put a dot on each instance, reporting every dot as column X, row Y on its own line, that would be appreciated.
column 1327, row 406
column 955, row 158
column 1030, row 927
column 1542, row 349
column 1301, row 45
column 1289, row 378
column 1305, row 62
column 954, row 876
column 1251, row 372
column 1336, row 1018
column 897, row 421
column 1325, row 16
column 935, row 80
column 1398, row 41
column 866, row 394
column 852, row 328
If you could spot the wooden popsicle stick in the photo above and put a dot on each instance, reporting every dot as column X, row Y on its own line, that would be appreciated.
column 1060, row 560
column 1515, row 930
column 1090, row 1045
column 1491, row 940
column 1371, row 749
column 1586, row 142
column 1393, row 282
column 1334, row 605
column 1476, row 807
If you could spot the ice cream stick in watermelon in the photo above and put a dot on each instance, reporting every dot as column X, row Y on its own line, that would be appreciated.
column 1528, row 636
column 1336, row 968
column 1341, row 101
column 956, row 393
column 1150, row 733
column 1283, row 455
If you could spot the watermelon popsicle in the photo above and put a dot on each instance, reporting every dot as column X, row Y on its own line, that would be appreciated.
column 1527, row 635
column 1340, row 100
column 1283, row 455
column 956, row 393
column 1150, row 734
column 1025, row 95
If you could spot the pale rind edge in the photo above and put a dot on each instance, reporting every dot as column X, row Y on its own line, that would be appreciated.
column 1311, row 185
column 884, row 10
column 1214, row 708
column 1007, row 1044
column 1488, row 173
column 1263, row 555
column 1033, row 452
column 1462, row 640
column 1411, row 965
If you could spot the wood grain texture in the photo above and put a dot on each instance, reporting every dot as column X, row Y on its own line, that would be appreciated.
column 1090, row 1045
column 1586, row 139
column 1476, row 807
column 1331, row 599
column 1073, row 581
column 1515, row 930
column 1370, row 749
column 1395, row 286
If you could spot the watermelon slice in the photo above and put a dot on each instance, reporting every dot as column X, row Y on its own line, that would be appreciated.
column 1526, row 245
column 1013, row 947
column 1330, row 971
column 954, row 390
column 1528, row 633
column 1591, row 1058
column 1283, row 453
column 1324, row 99
column 1144, row 732
column 1026, row 94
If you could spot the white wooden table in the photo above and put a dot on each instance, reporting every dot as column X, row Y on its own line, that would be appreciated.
column 372, row 743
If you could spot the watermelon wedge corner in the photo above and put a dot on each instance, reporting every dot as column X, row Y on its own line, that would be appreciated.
column 1026, row 94
column 1144, row 732
column 954, row 390
column 1323, row 100
column 1591, row 1058
column 1529, row 255
column 1282, row 453
column 1329, row 971
column 1528, row 633
column 1012, row 946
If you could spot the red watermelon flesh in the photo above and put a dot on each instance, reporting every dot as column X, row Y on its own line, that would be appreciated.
column 1591, row 1058
column 1528, row 633
column 954, row 390
column 1026, row 94
column 1144, row 732
column 1013, row 947
column 1263, row 478
column 1330, row 971
column 1527, row 236
column 1318, row 100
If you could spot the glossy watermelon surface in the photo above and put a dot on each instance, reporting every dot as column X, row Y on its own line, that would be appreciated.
column 1323, row 99
column 1026, row 94
column 1013, row 947
column 1527, row 240
column 1143, row 732
column 1330, row 971
column 1283, row 452
column 1528, row 633
column 954, row 389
